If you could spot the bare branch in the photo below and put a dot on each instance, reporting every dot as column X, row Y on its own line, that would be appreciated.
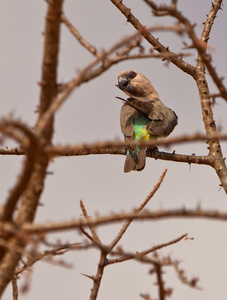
column 187, row 68
column 34, row 188
column 28, row 228
column 199, row 44
column 15, row 288
column 125, row 257
column 14, row 151
column 183, row 278
column 95, row 239
column 80, row 39
column 208, row 119
column 26, row 137
column 138, row 210
column 160, row 281
column 45, row 256
column 206, row 59
column 103, row 147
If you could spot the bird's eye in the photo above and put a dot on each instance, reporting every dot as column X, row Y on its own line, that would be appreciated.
column 132, row 74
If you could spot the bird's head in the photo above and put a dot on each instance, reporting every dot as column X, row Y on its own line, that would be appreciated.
column 135, row 84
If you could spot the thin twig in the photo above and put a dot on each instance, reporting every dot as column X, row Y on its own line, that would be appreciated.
column 183, row 278
column 15, row 288
column 206, row 59
column 139, row 209
column 80, row 39
column 92, row 229
column 126, row 257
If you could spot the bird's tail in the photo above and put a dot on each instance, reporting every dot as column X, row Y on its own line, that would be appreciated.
column 135, row 160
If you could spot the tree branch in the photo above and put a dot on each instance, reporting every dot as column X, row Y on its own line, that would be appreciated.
column 214, row 145
column 26, row 137
column 34, row 188
column 187, row 68
column 28, row 228
column 138, row 210
column 125, row 257
column 80, row 39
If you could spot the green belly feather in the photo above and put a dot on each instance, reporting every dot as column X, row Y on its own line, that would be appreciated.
column 140, row 131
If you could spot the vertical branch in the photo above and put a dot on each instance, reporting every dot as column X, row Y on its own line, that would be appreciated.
column 31, row 195
column 15, row 288
column 214, row 145
column 99, row 274
column 48, row 92
column 160, row 281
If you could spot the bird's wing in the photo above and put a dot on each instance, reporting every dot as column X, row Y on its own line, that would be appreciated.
column 163, row 121
column 140, row 104
column 128, row 114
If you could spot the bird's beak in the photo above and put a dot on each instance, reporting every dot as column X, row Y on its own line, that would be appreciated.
column 123, row 82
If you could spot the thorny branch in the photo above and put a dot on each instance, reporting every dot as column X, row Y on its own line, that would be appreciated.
column 118, row 148
column 34, row 188
column 103, row 262
column 28, row 228
column 199, row 44
column 128, row 256
column 189, row 69
column 27, row 139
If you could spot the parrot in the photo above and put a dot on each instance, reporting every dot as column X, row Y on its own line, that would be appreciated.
column 143, row 117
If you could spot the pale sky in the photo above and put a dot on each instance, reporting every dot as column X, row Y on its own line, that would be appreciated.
column 92, row 114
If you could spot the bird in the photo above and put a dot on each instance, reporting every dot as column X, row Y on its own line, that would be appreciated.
column 143, row 117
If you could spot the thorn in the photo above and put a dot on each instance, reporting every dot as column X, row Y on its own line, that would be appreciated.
column 88, row 276
column 194, row 281
column 41, row 83
column 49, row 173
column 221, row 186
column 157, row 48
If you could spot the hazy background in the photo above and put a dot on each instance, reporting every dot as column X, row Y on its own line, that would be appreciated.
column 92, row 114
